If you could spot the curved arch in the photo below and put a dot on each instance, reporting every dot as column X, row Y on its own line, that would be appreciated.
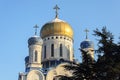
column 62, row 71
column 51, row 74
column 35, row 75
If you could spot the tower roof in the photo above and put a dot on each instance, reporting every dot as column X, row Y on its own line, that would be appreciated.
column 34, row 40
column 56, row 27
column 87, row 43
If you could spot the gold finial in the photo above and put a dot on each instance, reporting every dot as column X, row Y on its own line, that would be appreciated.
column 56, row 8
column 86, row 30
column 36, row 26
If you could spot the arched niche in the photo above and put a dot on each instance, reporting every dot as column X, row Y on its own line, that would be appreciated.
column 35, row 75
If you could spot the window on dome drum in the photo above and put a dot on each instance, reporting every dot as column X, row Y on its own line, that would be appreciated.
column 35, row 56
column 56, row 37
column 64, row 37
column 60, row 37
column 61, row 50
column 52, row 37
column 68, row 52
column 44, row 51
column 52, row 50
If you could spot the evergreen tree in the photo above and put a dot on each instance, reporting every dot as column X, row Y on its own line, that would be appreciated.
column 85, row 70
column 107, row 67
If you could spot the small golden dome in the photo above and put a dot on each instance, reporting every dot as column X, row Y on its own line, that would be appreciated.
column 56, row 27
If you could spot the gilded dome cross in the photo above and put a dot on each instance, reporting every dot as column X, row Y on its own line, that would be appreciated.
column 36, row 26
column 56, row 8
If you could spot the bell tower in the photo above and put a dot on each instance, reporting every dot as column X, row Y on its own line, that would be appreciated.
column 87, row 48
column 35, row 49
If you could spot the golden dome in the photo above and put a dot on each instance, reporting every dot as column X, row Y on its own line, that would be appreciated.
column 56, row 27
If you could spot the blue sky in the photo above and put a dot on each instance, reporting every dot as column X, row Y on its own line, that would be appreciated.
column 17, row 18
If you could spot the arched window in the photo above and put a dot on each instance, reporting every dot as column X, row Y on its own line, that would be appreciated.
column 44, row 51
column 52, row 50
column 68, row 52
column 61, row 50
column 35, row 56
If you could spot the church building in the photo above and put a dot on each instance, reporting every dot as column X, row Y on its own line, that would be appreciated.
column 50, row 51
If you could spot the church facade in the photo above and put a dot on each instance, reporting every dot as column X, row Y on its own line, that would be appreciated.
column 50, row 51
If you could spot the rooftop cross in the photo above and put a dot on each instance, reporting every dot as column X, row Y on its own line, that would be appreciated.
column 36, row 26
column 56, row 8
column 86, row 30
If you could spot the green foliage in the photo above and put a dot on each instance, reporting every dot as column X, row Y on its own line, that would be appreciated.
column 107, row 67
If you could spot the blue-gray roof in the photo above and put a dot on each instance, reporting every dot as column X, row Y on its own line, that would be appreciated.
column 26, row 59
column 34, row 40
column 87, row 44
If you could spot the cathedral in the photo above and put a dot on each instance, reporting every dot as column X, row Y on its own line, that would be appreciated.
column 50, row 51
